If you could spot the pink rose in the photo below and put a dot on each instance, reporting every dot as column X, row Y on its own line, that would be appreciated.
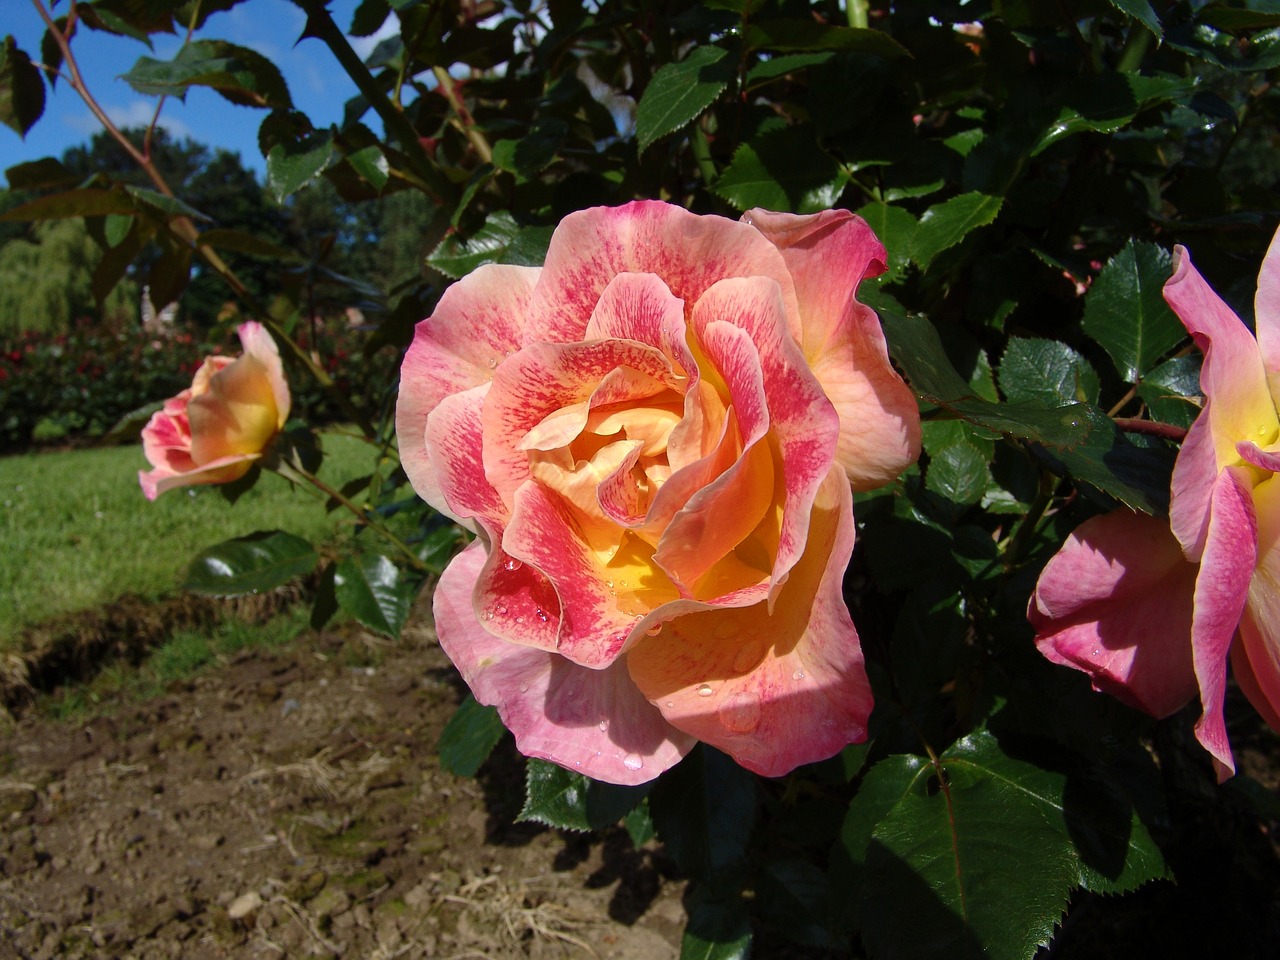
column 1152, row 611
column 215, row 430
column 654, row 436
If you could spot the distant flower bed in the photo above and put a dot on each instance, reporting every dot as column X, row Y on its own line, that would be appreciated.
column 77, row 386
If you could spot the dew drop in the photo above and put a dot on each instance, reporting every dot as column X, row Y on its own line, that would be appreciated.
column 609, row 584
column 704, row 690
column 632, row 761
column 670, row 704
column 502, row 610
column 798, row 675
column 604, row 725
column 512, row 564
column 622, row 583
column 741, row 713
column 493, row 363
column 542, row 615
column 488, row 614
column 519, row 620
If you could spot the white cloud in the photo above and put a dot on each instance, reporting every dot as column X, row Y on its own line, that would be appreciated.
column 137, row 113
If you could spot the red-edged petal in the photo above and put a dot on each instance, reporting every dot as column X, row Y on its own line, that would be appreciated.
column 802, row 421
column 594, row 722
column 1230, row 553
column 1256, row 655
column 222, row 470
column 1116, row 603
column 474, row 327
column 596, row 617
column 689, row 252
column 453, row 456
column 828, row 255
column 773, row 690
column 1195, row 471
column 640, row 306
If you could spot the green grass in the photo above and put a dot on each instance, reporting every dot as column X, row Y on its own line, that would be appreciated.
column 182, row 656
column 78, row 531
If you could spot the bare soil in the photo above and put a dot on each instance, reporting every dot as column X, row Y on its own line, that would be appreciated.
column 291, row 803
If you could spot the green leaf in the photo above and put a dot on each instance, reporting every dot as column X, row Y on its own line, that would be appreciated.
column 719, row 926
column 292, row 165
column 241, row 241
column 945, row 224
column 375, row 591
column 703, row 810
column 469, row 737
column 958, row 473
column 43, row 174
column 371, row 163
column 786, row 35
column 793, row 897
column 21, row 89
column 914, row 344
column 1137, row 476
column 438, row 547
column 1110, row 102
column 241, row 75
column 679, row 92
column 164, row 207
column 977, row 857
column 783, row 170
column 1046, row 371
column 456, row 256
column 1125, row 310
column 639, row 825
column 1258, row 52
column 1172, row 390
column 1141, row 11
column 896, row 228
column 534, row 151
column 569, row 801
column 529, row 247
column 776, row 67
column 89, row 202
column 261, row 561
column 116, row 228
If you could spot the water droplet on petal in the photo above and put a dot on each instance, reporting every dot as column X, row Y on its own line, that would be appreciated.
column 493, row 363
column 604, row 725
column 512, row 564
column 704, row 690
column 502, row 610
column 632, row 761
column 488, row 614
column 798, row 675
column 542, row 615
column 670, row 704
column 609, row 584
column 519, row 620
column 741, row 713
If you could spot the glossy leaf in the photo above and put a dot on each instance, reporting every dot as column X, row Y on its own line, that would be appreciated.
column 977, row 857
column 1126, row 313
column 469, row 737
column 261, row 561
column 945, row 224
column 703, row 809
column 375, row 591
column 291, row 166
column 785, row 35
column 914, row 344
column 569, row 801
column 456, row 256
column 243, row 76
column 958, row 473
column 719, row 926
column 1134, row 475
column 43, row 174
column 87, row 202
column 1046, row 371
column 1141, row 11
column 896, row 227
column 21, row 89
column 783, row 170
column 679, row 92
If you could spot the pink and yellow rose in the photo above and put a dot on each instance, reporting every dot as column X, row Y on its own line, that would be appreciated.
column 1152, row 611
column 654, row 436
column 214, row 431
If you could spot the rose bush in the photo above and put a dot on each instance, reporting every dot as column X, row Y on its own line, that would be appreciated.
column 654, row 436
column 215, row 430
column 1152, row 611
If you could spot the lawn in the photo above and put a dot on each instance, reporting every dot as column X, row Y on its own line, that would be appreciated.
column 79, row 532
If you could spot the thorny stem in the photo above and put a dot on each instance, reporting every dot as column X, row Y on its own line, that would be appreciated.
column 292, row 471
column 182, row 227
column 462, row 116
column 1152, row 428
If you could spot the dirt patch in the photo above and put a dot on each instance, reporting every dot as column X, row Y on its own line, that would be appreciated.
column 291, row 804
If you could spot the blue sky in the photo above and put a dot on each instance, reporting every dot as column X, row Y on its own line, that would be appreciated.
column 271, row 27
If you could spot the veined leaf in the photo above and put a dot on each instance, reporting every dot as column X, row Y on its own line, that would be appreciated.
column 260, row 561
column 243, row 76
column 679, row 92
column 21, row 89
column 1126, row 313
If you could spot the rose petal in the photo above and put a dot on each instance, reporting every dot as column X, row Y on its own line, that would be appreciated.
column 828, row 255
column 1238, row 404
column 802, row 422
column 452, row 455
column 223, row 470
column 1266, row 309
column 1115, row 602
column 689, row 252
column 237, row 415
column 773, row 690
column 601, row 598
column 1222, row 588
column 474, row 327
column 1255, row 658
column 259, row 343
column 594, row 722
